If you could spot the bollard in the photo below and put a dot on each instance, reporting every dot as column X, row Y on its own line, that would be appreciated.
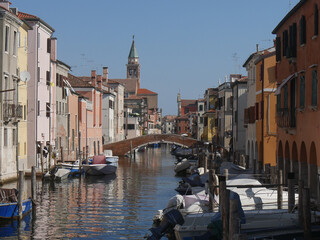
column 233, row 218
column 226, row 173
column 21, row 191
column 291, row 200
column 33, row 188
column 211, row 189
column 280, row 189
column 225, row 214
column 306, row 213
column 205, row 163
column 300, row 204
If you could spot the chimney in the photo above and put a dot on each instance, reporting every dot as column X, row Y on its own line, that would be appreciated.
column 94, row 78
column 14, row 11
column 5, row 4
column 257, row 46
column 105, row 74
column 99, row 81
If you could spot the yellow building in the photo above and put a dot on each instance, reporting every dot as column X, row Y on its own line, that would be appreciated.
column 22, row 58
column 209, row 128
column 265, row 108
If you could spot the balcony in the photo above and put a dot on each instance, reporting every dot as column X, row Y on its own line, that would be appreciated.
column 12, row 111
column 286, row 118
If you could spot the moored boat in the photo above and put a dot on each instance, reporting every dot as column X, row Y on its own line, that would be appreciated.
column 100, row 166
column 9, row 204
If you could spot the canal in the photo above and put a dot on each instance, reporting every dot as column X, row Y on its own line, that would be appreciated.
column 119, row 206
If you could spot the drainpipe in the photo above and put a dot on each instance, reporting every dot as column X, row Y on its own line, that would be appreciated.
column 36, row 85
column 268, row 118
column 17, row 128
column 262, row 109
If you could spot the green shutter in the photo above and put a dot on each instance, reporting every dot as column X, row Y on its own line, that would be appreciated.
column 285, row 100
column 302, row 91
column 314, row 94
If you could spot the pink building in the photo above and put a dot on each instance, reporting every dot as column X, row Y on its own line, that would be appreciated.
column 90, row 105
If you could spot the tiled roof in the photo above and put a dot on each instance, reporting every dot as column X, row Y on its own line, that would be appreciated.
column 144, row 91
column 77, row 82
column 26, row 16
column 23, row 15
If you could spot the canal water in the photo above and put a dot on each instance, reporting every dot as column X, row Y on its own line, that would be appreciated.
column 119, row 206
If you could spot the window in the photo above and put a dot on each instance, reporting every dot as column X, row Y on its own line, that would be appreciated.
column 314, row 92
column 38, row 74
column 293, row 41
column 48, row 45
column 110, row 104
column 47, row 109
column 316, row 20
column 38, row 108
column 200, row 108
column 6, row 44
column 5, row 136
column 278, row 103
column 15, row 43
column 302, row 91
column 25, row 43
column 72, row 139
column 14, row 137
column 48, row 78
column 302, row 30
column 19, row 40
column 201, row 119
column 25, row 148
column 76, row 122
column 257, row 111
column 130, row 126
column 57, row 107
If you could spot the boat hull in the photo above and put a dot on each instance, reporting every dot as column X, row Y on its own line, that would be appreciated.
column 11, row 210
column 99, row 169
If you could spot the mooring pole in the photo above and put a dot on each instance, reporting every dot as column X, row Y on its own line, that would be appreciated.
column 291, row 198
column 280, row 190
column 21, row 191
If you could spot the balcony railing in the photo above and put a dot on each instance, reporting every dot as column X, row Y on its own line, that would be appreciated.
column 286, row 118
column 12, row 111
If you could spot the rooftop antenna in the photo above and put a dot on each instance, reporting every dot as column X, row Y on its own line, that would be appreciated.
column 289, row 4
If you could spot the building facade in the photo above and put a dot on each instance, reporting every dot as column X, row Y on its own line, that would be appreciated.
column 298, row 98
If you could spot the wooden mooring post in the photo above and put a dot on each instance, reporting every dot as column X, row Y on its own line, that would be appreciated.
column 306, row 213
column 280, row 189
column 234, row 218
column 211, row 189
column 21, row 193
column 225, row 214
column 33, row 188
column 300, row 203
column 226, row 173
column 205, row 163
column 291, row 198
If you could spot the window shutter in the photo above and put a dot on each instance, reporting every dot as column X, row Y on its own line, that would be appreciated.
column 49, row 45
column 316, row 20
column 278, row 49
column 285, row 43
column 279, row 102
column 48, row 78
column 285, row 100
column 294, row 41
column 302, row 91
column 314, row 88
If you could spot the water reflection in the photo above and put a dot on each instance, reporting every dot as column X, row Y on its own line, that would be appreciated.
column 119, row 206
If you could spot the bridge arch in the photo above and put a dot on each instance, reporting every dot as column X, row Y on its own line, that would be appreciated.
column 121, row 148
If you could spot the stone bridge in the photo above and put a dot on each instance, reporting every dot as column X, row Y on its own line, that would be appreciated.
column 121, row 148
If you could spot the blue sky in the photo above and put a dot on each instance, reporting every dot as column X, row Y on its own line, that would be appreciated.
column 183, row 45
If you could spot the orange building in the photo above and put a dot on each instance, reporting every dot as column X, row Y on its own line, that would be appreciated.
column 298, row 113
column 266, row 127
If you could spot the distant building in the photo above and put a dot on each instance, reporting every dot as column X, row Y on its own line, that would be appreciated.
column 239, row 103
column 200, row 117
column 168, row 124
column 210, row 117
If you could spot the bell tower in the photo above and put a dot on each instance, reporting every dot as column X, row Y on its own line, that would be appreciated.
column 133, row 66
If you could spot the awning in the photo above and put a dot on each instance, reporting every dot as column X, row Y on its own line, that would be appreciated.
column 284, row 82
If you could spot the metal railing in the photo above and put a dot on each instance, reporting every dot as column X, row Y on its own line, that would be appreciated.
column 12, row 111
column 286, row 118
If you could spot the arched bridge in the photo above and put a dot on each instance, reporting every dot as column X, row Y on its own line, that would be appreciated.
column 122, row 147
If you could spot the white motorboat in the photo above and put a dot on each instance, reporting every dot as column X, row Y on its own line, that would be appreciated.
column 109, row 157
column 58, row 174
column 100, row 166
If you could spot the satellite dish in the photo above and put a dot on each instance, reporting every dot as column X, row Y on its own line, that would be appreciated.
column 25, row 76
